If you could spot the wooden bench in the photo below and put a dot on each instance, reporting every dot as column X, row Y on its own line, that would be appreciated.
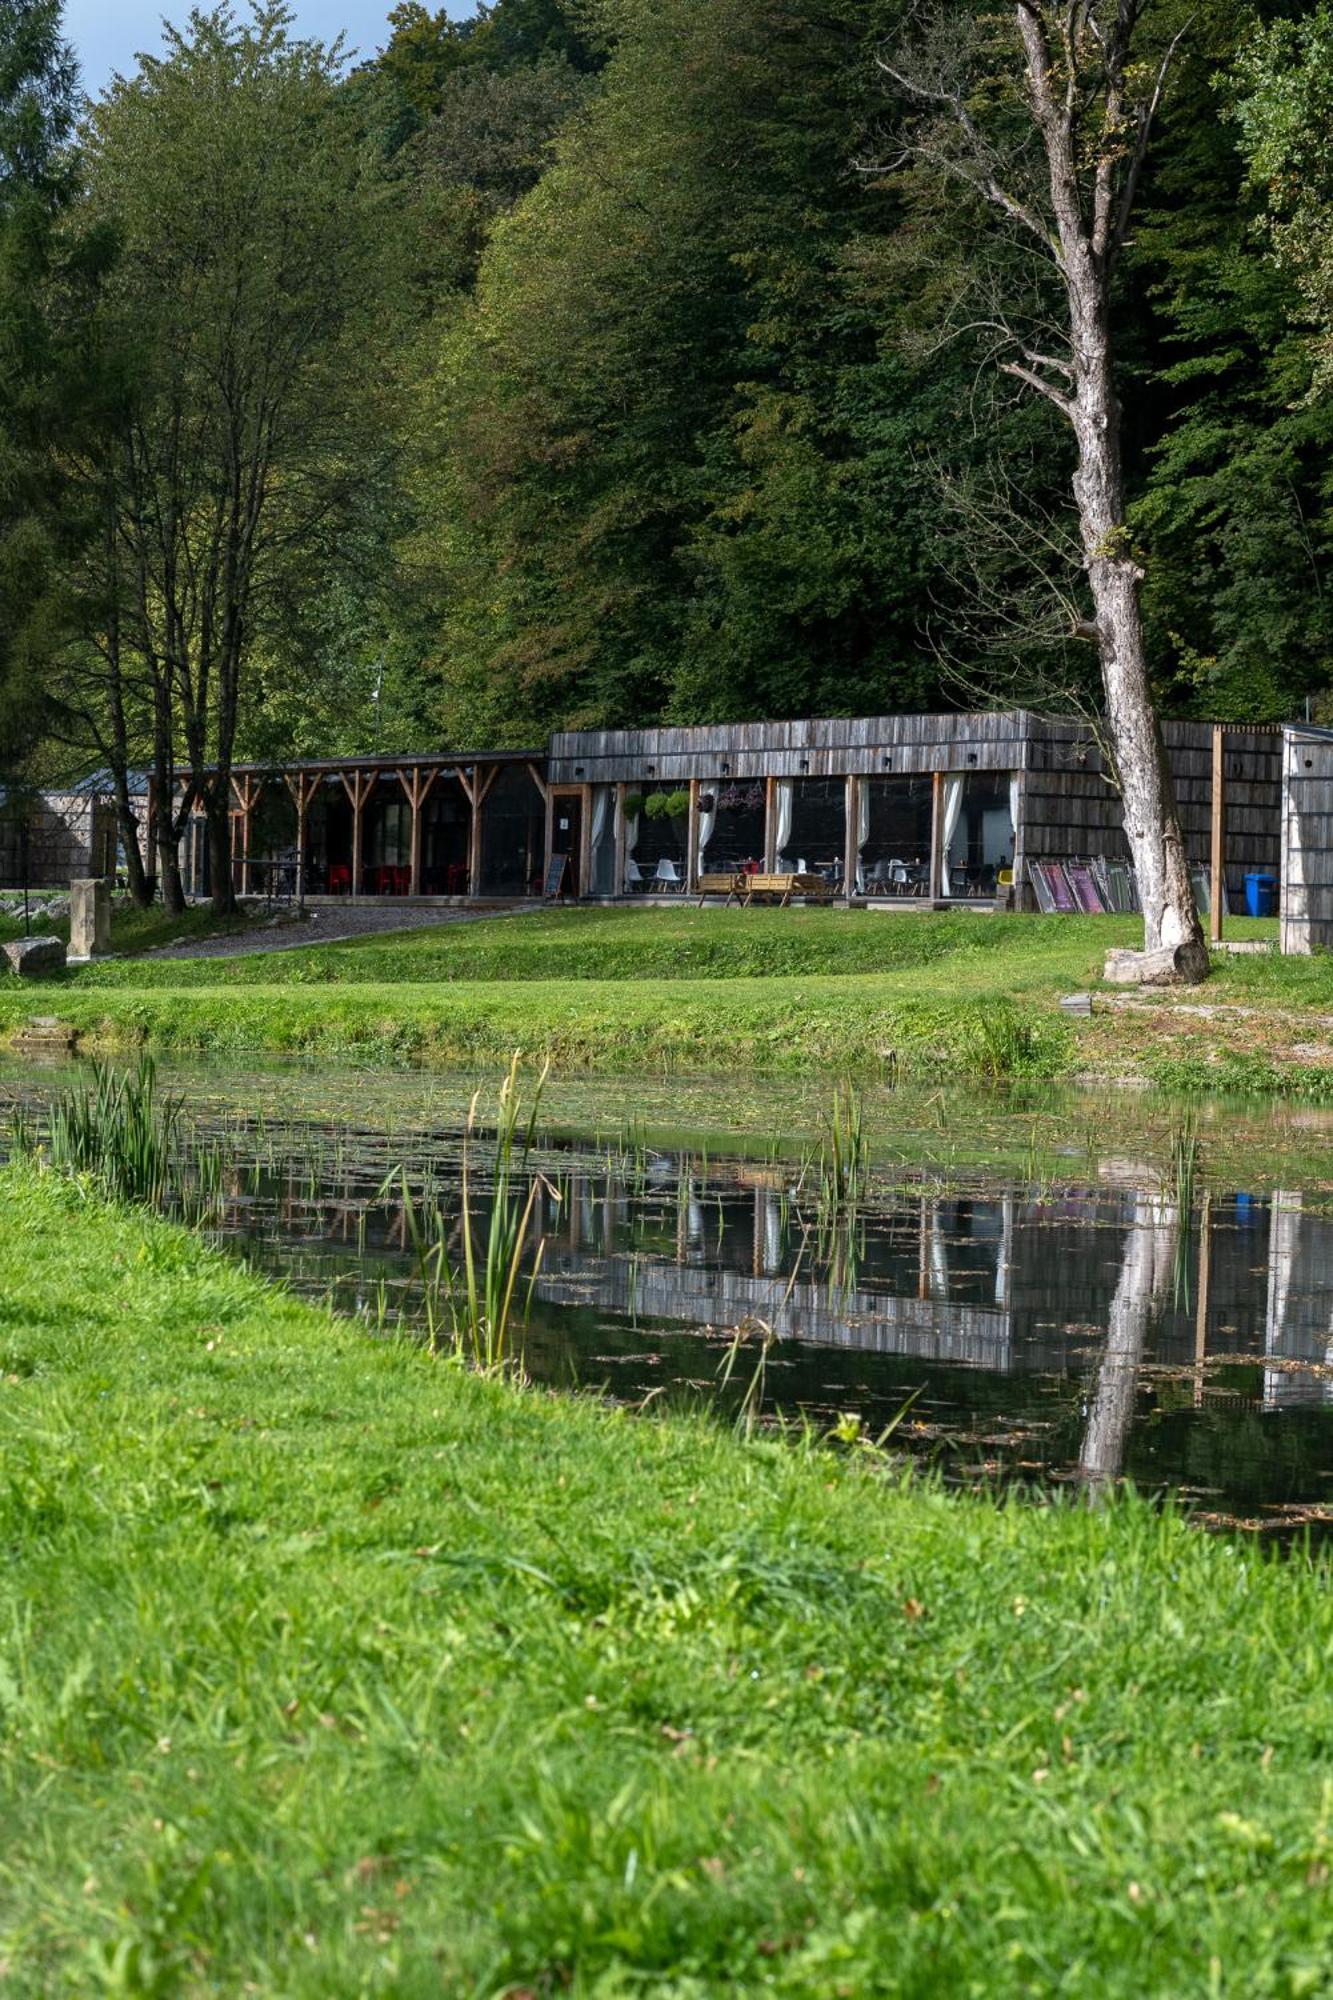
column 727, row 885
column 813, row 888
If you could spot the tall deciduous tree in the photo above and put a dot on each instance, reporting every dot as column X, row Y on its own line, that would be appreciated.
column 37, row 89
column 257, row 287
column 1088, row 81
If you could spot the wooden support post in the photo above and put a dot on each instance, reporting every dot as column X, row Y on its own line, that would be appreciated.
column 476, row 789
column 417, row 788
column 303, row 789
column 936, row 884
column 550, row 833
column 246, row 790
column 585, row 839
column 851, row 846
column 358, row 788
column 1217, row 868
column 621, row 856
column 692, row 840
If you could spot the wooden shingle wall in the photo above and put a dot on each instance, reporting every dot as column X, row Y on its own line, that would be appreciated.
column 866, row 746
column 1307, row 840
column 1071, row 812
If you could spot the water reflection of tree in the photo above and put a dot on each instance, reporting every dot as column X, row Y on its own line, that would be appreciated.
column 1147, row 1273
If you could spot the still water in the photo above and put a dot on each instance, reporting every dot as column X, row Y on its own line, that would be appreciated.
column 1117, row 1319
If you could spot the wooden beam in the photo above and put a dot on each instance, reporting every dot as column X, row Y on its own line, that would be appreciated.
column 585, row 839
column 247, row 791
column 935, row 886
column 303, row 788
column 621, row 856
column 416, row 785
column 1217, row 855
column 476, row 792
column 692, row 839
column 539, row 781
column 851, row 851
column 358, row 788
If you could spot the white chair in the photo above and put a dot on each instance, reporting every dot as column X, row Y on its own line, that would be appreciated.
column 633, row 878
column 667, row 876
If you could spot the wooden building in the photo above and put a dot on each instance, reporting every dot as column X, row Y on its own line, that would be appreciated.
column 440, row 826
column 940, row 807
column 924, row 808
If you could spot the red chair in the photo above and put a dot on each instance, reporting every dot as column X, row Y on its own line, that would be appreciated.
column 457, row 878
column 340, row 879
column 402, row 881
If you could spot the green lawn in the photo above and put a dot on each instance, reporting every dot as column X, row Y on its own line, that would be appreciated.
column 327, row 1668
column 682, row 991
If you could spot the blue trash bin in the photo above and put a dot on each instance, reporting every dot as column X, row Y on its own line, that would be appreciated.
column 1261, row 894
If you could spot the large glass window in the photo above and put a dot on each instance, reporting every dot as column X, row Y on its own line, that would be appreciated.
column 978, row 833
column 513, row 835
column 894, row 836
column 657, row 823
column 446, row 832
column 735, row 827
column 812, row 826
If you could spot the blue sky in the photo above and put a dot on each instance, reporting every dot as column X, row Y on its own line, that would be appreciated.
column 109, row 33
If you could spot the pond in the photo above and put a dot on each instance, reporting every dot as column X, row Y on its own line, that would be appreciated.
column 1049, row 1290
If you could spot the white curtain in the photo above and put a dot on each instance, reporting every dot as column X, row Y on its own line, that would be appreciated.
column 602, row 855
column 953, row 806
column 707, row 821
column 601, row 799
column 631, row 832
column 1013, row 814
column 784, row 791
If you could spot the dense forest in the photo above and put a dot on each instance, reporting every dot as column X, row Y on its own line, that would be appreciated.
column 606, row 361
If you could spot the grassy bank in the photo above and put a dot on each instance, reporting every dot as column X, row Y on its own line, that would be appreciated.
column 326, row 1669
column 685, row 992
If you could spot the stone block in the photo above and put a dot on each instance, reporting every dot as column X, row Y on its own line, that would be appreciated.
column 89, row 918
column 35, row 958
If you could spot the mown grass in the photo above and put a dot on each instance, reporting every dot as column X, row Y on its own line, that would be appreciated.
column 326, row 1668
column 779, row 1027
column 675, row 941
column 680, row 991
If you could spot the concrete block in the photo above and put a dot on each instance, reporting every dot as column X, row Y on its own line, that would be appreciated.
column 90, row 918
column 34, row 958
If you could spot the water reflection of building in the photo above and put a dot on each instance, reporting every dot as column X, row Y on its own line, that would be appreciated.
column 1004, row 1283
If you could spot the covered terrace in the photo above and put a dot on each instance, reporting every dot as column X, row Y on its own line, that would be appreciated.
column 433, row 827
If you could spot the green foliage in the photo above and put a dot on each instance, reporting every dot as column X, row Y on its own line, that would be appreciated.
column 357, row 1672
column 1235, row 508
column 667, row 805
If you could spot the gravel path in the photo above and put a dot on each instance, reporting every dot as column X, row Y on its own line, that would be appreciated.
column 330, row 925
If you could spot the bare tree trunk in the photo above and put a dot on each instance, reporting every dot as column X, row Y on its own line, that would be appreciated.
column 1093, row 100
column 1145, row 1274
column 1152, row 822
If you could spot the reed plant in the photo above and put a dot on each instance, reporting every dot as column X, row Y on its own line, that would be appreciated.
column 474, row 1302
